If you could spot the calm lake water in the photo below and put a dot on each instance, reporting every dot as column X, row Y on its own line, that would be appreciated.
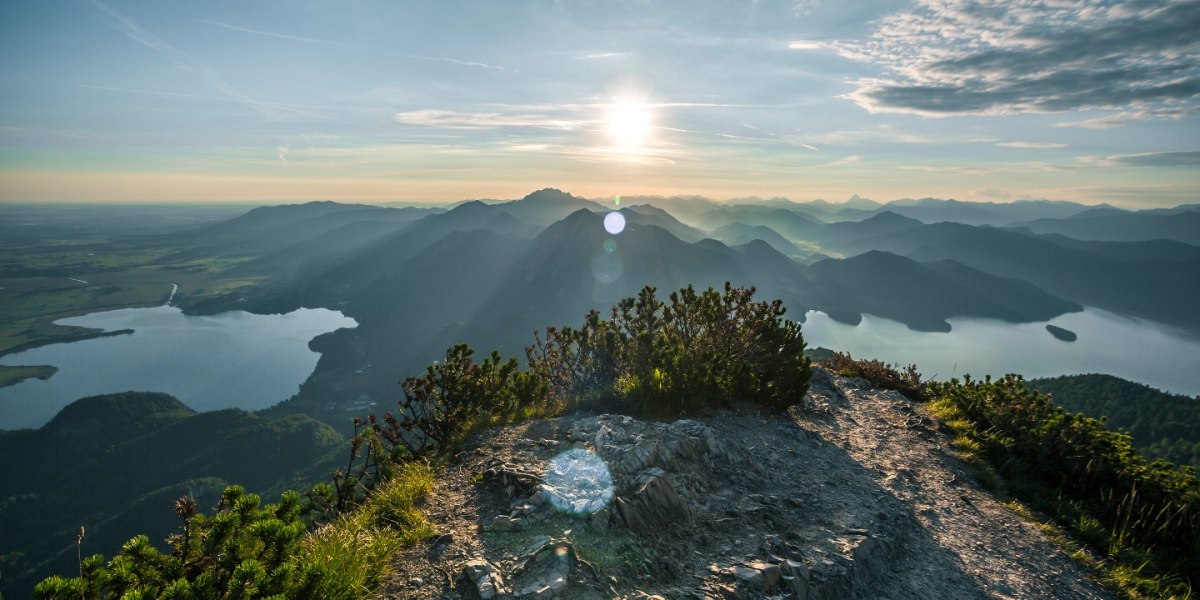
column 234, row 359
column 1142, row 351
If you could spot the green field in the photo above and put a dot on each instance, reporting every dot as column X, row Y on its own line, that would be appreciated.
column 64, row 278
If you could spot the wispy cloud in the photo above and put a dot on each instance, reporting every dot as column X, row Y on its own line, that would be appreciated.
column 844, row 161
column 1032, row 145
column 562, row 116
column 870, row 135
column 954, row 57
column 601, row 154
column 770, row 138
column 991, row 193
column 312, row 40
column 807, row 45
column 313, row 112
column 604, row 55
column 1147, row 159
column 1169, row 113
column 282, row 36
column 449, row 119
column 1143, row 195
column 181, row 59
column 948, row 170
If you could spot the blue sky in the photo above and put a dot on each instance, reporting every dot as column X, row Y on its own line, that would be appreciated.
column 428, row 101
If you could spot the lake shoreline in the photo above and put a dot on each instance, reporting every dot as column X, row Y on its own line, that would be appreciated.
column 233, row 359
column 1104, row 344
column 67, row 339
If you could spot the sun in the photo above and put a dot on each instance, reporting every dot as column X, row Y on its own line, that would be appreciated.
column 629, row 123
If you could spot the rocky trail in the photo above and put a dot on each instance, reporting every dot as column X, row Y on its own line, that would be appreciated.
column 854, row 494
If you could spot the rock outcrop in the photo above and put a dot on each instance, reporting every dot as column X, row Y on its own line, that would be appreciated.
column 854, row 494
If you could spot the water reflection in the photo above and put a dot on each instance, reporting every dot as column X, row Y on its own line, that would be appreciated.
column 1142, row 351
column 234, row 359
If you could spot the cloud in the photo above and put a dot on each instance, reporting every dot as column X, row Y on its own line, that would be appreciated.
column 842, row 162
column 872, row 135
column 312, row 40
column 807, row 45
column 449, row 119
column 988, row 57
column 1126, row 117
column 1147, row 159
column 991, row 193
column 181, row 59
column 804, row 7
column 1038, row 145
column 948, row 170
column 1143, row 195
column 604, row 55
column 282, row 36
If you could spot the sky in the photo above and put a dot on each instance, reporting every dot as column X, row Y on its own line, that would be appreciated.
column 272, row 101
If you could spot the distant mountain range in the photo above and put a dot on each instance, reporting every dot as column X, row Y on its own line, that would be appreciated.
column 492, row 273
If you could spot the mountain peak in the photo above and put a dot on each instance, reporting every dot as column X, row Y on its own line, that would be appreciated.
column 119, row 412
column 551, row 195
column 857, row 201
column 649, row 505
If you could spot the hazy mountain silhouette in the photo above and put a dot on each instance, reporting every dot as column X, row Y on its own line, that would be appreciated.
column 792, row 225
column 1183, row 226
column 546, row 206
column 924, row 296
column 269, row 228
column 1161, row 290
column 877, row 224
column 741, row 233
column 477, row 273
column 645, row 214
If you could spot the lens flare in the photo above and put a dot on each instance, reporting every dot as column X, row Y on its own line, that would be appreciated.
column 614, row 222
column 577, row 482
column 610, row 245
column 607, row 267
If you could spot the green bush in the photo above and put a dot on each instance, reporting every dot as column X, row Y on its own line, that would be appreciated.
column 1144, row 517
column 907, row 381
column 249, row 550
column 697, row 352
column 243, row 550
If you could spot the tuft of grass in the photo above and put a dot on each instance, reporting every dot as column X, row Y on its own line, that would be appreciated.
column 350, row 556
column 354, row 552
column 394, row 505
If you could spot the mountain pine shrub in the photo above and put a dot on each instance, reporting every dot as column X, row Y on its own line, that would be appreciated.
column 697, row 352
column 1142, row 517
column 906, row 380
column 246, row 549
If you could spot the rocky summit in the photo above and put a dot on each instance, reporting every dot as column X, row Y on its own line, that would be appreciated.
column 853, row 494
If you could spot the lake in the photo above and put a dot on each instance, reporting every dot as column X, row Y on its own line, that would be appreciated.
column 234, row 359
column 1142, row 351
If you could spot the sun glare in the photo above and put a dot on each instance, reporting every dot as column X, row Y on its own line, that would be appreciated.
column 629, row 123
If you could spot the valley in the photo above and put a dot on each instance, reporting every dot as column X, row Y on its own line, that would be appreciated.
column 876, row 280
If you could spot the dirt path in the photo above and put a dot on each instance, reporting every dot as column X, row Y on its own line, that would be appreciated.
column 1004, row 556
column 852, row 496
